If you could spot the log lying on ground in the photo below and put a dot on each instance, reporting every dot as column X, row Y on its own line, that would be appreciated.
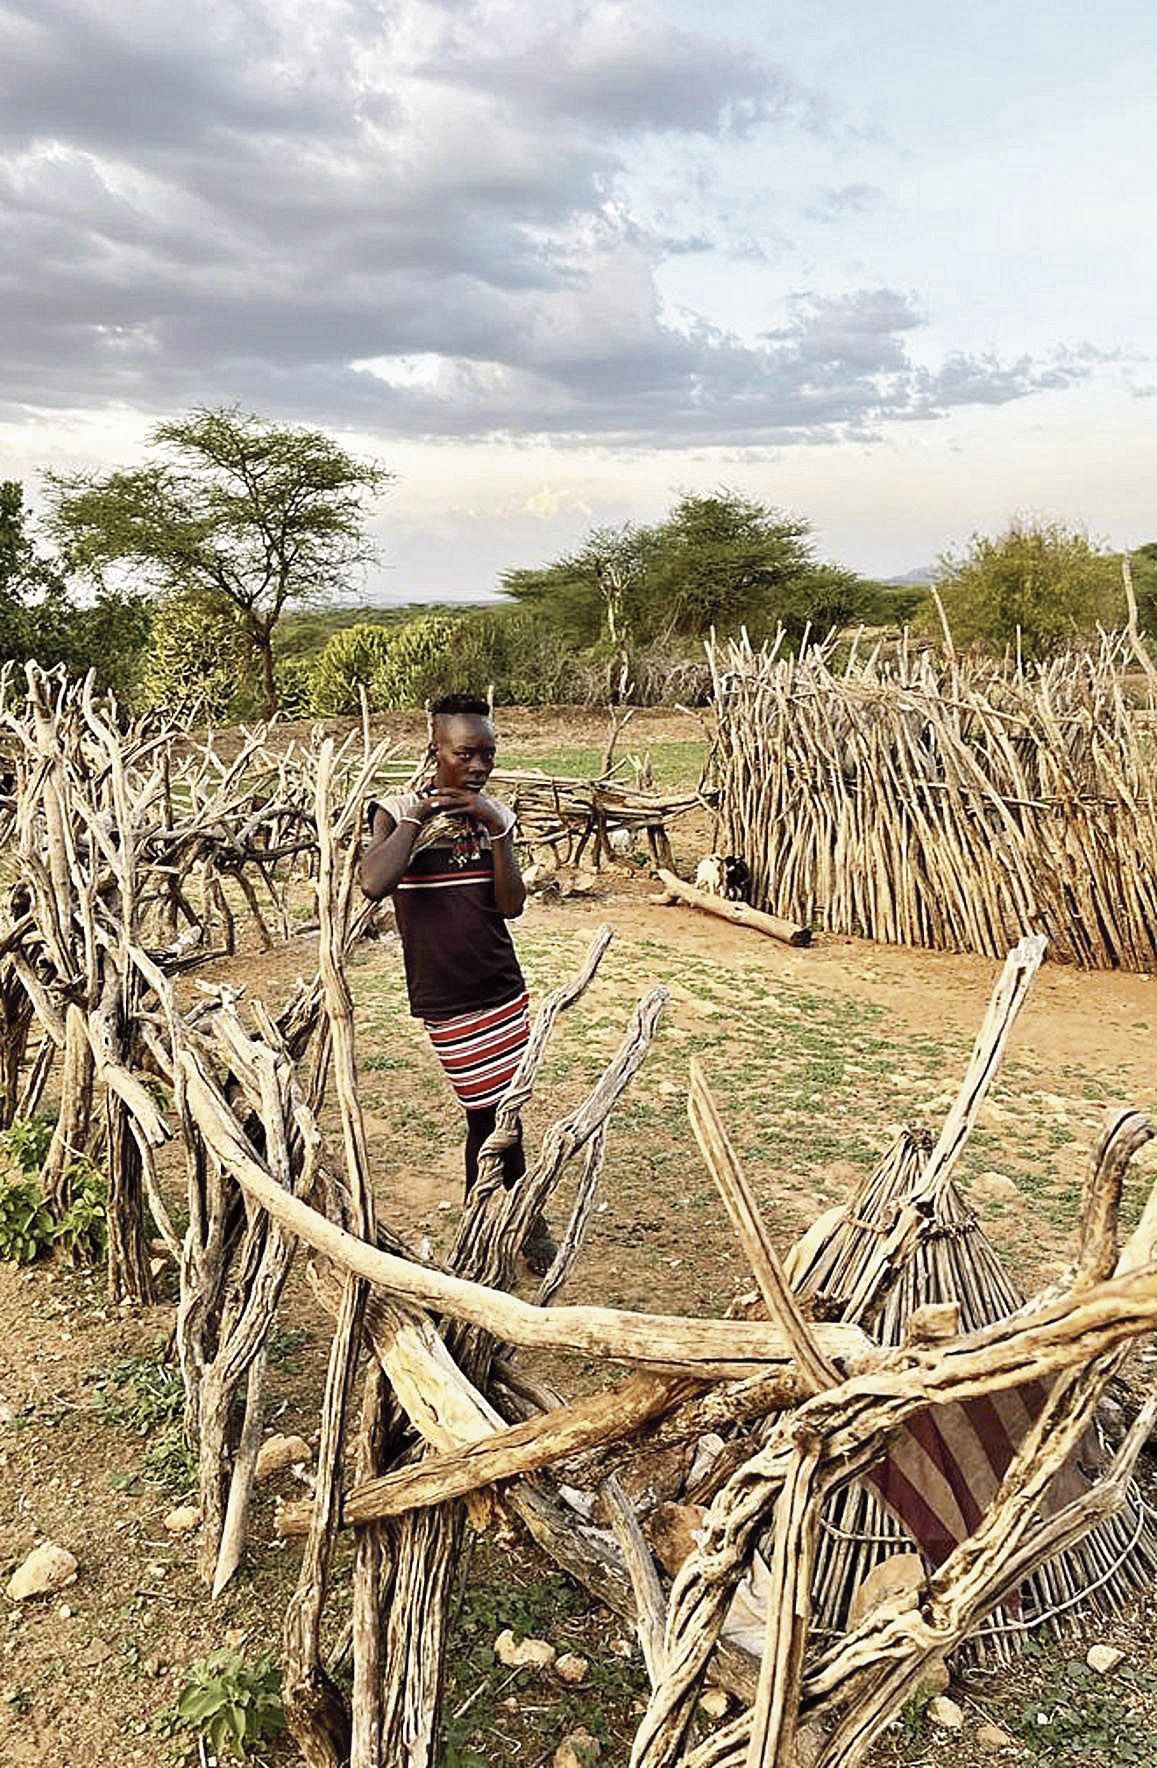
column 787, row 932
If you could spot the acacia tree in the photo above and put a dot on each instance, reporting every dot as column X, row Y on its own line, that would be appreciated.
column 722, row 561
column 246, row 513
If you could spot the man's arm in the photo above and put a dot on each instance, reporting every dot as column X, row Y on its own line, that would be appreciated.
column 387, row 855
column 509, row 889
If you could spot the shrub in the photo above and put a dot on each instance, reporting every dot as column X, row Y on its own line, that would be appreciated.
column 25, row 1142
column 83, row 1228
column 231, row 1704
column 294, row 678
column 1039, row 581
column 419, row 665
column 26, row 1226
column 197, row 659
column 353, row 657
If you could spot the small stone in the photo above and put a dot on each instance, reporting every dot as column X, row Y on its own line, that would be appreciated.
column 571, row 1668
column 97, row 1651
column 714, row 1702
column 901, row 1574
column 578, row 1750
column 183, row 1520
column 1103, row 1659
column 992, row 1738
column 277, row 1453
column 935, row 1678
column 47, row 1569
column 150, row 1666
column 997, row 1187
column 946, row 1713
column 523, row 1654
column 235, row 1637
column 65, row 1611
column 622, row 1648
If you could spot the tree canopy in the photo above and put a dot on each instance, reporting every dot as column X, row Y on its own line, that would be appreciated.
column 243, row 512
column 721, row 561
column 1041, row 585
column 39, row 618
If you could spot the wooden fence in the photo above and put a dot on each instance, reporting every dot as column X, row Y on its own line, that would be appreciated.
column 953, row 805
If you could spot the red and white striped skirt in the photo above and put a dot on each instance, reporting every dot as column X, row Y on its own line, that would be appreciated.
column 481, row 1051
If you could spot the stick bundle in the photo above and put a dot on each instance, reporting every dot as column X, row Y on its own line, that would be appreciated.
column 951, row 806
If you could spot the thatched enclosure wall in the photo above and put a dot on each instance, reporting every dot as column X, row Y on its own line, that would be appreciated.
column 944, row 804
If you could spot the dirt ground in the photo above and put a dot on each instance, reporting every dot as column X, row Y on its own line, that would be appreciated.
column 817, row 1057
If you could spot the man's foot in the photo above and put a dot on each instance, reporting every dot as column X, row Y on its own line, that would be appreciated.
column 539, row 1250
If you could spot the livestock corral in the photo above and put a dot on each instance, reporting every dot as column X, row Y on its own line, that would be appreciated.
column 837, row 1387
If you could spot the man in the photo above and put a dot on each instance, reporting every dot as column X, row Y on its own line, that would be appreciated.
column 445, row 853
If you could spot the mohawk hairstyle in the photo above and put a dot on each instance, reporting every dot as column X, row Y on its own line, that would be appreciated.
column 452, row 705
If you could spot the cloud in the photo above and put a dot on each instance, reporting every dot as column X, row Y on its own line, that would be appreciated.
column 840, row 200
column 408, row 216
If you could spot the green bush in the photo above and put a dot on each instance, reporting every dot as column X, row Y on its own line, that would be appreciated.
column 26, row 1141
column 294, row 678
column 231, row 1704
column 26, row 1226
column 519, row 655
column 197, row 661
column 418, row 666
column 1039, row 583
column 353, row 658
column 83, row 1228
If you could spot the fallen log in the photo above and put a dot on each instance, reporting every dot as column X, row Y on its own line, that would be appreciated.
column 787, row 932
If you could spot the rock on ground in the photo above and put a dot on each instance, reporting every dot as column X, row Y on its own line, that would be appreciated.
column 47, row 1568
column 523, row 1654
column 579, row 1750
column 279, row 1452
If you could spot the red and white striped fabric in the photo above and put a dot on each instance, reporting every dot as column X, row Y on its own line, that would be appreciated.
column 943, row 1469
column 480, row 1051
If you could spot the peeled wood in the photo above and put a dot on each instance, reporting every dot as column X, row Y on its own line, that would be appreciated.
column 787, row 932
column 508, row 1453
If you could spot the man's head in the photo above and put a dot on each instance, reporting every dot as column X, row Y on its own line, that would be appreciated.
column 462, row 741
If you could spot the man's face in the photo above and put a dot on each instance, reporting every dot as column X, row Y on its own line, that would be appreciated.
column 464, row 747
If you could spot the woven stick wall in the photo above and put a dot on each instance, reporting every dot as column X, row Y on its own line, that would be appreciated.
column 949, row 805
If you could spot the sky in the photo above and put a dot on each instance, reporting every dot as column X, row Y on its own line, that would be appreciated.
column 884, row 264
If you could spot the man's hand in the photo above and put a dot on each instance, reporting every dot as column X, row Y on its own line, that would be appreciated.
column 449, row 801
column 494, row 817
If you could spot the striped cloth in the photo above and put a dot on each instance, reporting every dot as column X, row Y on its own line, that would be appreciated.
column 943, row 1469
column 480, row 1051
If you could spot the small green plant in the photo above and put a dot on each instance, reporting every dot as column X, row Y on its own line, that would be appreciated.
column 1074, row 1714
column 26, row 1226
column 25, row 1142
column 83, row 1228
column 231, row 1704
column 148, row 1397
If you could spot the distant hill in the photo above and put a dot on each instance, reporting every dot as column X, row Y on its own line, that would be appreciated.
column 920, row 578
